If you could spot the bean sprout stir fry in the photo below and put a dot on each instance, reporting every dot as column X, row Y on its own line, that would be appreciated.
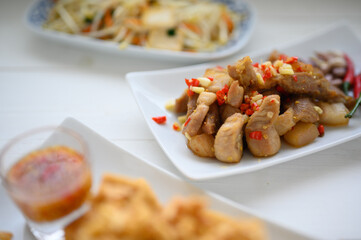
column 177, row 25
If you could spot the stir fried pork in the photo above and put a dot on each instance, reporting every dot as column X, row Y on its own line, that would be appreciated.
column 196, row 120
column 227, row 111
column 192, row 104
column 202, row 145
column 235, row 95
column 274, row 56
column 307, row 83
column 228, row 145
column 285, row 122
column 247, row 97
column 197, row 116
column 261, row 123
column 212, row 120
column 304, row 110
column 220, row 78
column 243, row 72
column 181, row 103
column 206, row 98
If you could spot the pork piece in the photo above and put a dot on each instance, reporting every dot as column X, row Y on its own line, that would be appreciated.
column 227, row 110
column 192, row 104
column 212, row 120
column 307, row 83
column 271, row 91
column 220, row 78
column 243, row 71
column 235, row 95
column 261, row 124
column 196, row 120
column 202, row 145
column 228, row 144
column 198, row 115
column 181, row 103
column 274, row 56
column 304, row 110
column 285, row 122
column 310, row 85
column 206, row 98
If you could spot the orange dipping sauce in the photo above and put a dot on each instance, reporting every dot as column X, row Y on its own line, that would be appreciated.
column 50, row 183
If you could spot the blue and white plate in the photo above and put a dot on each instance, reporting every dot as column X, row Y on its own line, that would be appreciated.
column 38, row 12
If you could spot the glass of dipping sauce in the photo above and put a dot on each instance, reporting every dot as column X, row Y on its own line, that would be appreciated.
column 47, row 174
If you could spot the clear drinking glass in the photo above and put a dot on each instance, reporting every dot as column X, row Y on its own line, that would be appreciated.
column 47, row 174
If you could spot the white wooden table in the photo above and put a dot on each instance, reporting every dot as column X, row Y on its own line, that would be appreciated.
column 42, row 83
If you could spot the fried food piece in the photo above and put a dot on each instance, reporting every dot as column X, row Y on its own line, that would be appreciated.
column 123, row 209
column 127, row 209
column 6, row 235
column 191, row 220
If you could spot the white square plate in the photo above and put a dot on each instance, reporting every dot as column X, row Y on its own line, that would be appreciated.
column 152, row 89
column 106, row 157
column 38, row 12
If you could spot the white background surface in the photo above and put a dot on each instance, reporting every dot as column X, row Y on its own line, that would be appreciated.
column 42, row 83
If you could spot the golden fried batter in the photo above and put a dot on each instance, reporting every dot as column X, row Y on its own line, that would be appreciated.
column 6, row 236
column 128, row 209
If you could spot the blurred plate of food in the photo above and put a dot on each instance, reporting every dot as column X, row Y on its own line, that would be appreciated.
column 309, row 114
column 187, row 30
column 137, row 200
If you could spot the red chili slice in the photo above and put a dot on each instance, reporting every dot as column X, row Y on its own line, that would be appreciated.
column 257, row 135
column 190, row 92
column 267, row 73
column 221, row 95
column 321, row 130
column 219, row 67
column 350, row 74
column 283, row 57
column 249, row 112
column 291, row 60
column 160, row 120
column 176, row 126
column 195, row 82
column 244, row 107
column 357, row 86
column 186, row 123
